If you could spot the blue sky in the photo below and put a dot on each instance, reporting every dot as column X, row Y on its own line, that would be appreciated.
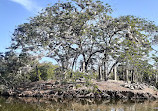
column 16, row 12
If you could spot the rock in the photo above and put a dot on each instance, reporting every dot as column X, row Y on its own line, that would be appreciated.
column 70, row 87
column 82, row 92
column 13, row 93
column 37, row 94
column 135, row 87
column 48, row 87
column 90, row 95
column 21, row 89
column 42, row 85
column 142, row 96
column 26, row 94
column 48, row 83
column 132, row 88
column 152, row 87
column 56, row 82
column 5, row 93
column 126, row 86
column 67, row 95
column 105, row 95
column 153, row 98
column 120, row 96
column 60, row 93
column 51, row 96
column 97, row 95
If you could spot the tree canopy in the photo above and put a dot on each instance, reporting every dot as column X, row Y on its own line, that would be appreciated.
column 83, row 34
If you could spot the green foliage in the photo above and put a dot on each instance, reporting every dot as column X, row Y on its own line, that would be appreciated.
column 14, row 68
column 81, row 75
column 45, row 71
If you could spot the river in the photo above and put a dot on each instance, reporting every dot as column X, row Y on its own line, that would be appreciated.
column 41, row 104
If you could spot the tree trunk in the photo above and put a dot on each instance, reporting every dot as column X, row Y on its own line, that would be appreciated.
column 86, row 66
column 112, row 67
column 132, row 77
column 83, row 67
column 37, row 76
column 100, row 72
column 115, row 72
column 126, row 76
column 123, row 74
column 156, row 78
column 73, row 64
column 136, row 76
column 141, row 78
column 105, row 71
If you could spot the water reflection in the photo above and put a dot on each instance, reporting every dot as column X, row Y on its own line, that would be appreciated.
column 43, row 104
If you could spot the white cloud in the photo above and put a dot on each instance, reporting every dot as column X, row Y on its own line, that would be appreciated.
column 28, row 4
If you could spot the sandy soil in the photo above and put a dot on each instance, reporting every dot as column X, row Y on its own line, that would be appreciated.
column 112, row 85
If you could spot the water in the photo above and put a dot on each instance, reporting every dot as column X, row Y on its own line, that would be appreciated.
column 41, row 104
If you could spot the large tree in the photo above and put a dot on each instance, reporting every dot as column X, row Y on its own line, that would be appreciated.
column 82, row 31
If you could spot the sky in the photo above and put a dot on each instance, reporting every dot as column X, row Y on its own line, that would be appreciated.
column 16, row 12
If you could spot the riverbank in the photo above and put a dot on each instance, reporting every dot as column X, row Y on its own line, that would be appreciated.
column 80, row 89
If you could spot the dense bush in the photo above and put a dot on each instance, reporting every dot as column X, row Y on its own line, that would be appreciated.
column 43, row 71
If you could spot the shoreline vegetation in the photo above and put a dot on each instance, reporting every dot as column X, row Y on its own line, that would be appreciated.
column 96, row 55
